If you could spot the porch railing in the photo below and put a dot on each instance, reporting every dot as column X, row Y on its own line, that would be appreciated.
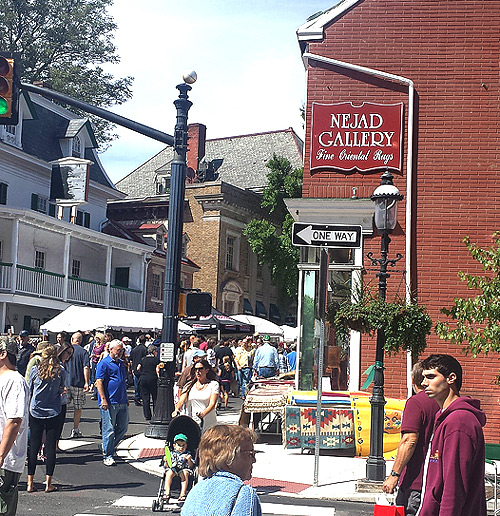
column 51, row 285
column 39, row 282
column 128, row 298
column 86, row 291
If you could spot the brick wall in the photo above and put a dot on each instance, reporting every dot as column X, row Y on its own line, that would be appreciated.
column 450, row 50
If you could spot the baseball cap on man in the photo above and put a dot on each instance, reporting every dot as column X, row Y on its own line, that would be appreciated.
column 24, row 333
column 199, row 353
column 180, row 437
column 266, row 338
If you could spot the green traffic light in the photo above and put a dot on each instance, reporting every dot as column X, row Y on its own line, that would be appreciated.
column 4, row 107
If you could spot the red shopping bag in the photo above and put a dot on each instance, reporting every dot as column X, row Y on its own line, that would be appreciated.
column 388, row 510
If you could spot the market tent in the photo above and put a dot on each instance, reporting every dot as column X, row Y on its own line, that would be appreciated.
column 219, row 323
column 289, row 333
column 262, row 326
column 85, row 318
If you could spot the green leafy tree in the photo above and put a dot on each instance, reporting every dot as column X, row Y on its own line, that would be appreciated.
column 272, row 241
column 476, row 319
column 62, row 45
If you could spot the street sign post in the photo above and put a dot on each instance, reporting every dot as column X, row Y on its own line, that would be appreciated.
column 326, row 235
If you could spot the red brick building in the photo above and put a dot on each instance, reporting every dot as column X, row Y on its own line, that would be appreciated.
column 440, row 59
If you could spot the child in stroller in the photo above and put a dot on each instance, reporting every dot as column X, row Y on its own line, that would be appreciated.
column 183, row 439
column 178, row 462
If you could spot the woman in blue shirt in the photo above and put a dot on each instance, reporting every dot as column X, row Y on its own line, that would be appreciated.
column 227, row 456
column 46, row 384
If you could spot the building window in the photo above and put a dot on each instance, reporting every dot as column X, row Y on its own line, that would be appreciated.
column 3, row 193
column 156, row 288
column 39, row 260
column 76, row 149
column 185, row 242
column 82, row 219
column 122, row 277
column 230, row 253
column 39, row 203
column 160, row 241
column 76, row 268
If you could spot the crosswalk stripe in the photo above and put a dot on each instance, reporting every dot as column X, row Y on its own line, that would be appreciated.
column 267, row 508
column 297, row 510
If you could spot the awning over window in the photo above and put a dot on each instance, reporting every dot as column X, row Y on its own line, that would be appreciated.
column 247, row 307
column 274, row 313
column 260, row 309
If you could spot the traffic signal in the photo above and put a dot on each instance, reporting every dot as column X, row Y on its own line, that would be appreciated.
column 8, row 90
column 197, row 304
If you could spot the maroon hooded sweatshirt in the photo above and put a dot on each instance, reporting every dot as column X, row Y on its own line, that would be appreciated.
column 454, row 484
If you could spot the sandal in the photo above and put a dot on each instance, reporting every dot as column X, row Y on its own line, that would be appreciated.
column 181, row 498
column 51, row 489
column 31, row 489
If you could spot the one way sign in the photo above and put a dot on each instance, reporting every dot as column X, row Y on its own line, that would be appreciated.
column 323, row 235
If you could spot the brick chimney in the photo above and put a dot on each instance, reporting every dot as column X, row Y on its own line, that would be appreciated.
column 196, row 149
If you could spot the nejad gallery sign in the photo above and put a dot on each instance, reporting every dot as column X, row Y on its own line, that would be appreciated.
column 366, row 138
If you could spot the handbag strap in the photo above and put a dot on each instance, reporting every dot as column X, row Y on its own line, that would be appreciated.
column 234, row 501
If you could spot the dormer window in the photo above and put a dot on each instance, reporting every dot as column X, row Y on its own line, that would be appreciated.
column 76, row 150
column 162, row 185
column 160, row 241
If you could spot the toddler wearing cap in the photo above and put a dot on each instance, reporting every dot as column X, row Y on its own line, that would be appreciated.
column 178, row 462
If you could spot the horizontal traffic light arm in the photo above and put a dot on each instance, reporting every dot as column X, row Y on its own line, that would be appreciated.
column 102, row 113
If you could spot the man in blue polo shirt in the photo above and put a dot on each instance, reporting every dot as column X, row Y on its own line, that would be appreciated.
column 111, row 381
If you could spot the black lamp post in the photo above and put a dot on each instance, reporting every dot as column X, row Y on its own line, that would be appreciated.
column 164, row 406
column 386, row 197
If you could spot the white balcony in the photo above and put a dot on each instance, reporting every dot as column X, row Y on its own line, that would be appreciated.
column 40, row 283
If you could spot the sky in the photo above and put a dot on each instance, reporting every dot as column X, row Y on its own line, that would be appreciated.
column 250, row 74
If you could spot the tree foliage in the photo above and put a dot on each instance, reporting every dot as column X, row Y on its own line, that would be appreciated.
column 62, row 44
column 476, row 319
column 272, row 242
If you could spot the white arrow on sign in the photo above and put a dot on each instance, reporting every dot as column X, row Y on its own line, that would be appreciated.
column 309, row 235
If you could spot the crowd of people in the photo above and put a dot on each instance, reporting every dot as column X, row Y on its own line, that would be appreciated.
column 40, row 380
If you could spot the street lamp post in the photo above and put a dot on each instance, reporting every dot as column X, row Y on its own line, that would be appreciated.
column 164, row 406
column 386, row 197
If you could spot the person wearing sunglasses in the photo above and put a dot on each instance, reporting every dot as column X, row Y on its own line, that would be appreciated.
column 227, row 456
column 200, row 395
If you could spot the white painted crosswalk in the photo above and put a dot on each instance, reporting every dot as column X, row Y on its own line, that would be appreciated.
column 144, row 503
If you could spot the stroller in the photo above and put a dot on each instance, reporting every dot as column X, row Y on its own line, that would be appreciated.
column 189, row 427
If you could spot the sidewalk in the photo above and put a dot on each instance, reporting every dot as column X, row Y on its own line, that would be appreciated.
column 277, row 471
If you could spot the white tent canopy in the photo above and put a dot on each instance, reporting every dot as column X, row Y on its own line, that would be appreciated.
column 289, row 333
column 85, row 318
column 262, row 326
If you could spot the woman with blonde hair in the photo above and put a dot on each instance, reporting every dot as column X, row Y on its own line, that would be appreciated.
column 226, row 455
column 46, row 384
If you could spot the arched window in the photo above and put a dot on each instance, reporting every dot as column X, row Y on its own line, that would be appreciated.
column 232, row 295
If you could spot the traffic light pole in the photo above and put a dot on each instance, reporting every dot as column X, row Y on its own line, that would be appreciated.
column 165, row 401
column 164, row 406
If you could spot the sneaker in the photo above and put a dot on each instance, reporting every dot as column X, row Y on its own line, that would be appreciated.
column 109, row 461
column 75, row 433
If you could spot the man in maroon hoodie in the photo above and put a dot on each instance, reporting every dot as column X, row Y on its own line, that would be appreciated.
column 416, row 431
column 454, row 470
